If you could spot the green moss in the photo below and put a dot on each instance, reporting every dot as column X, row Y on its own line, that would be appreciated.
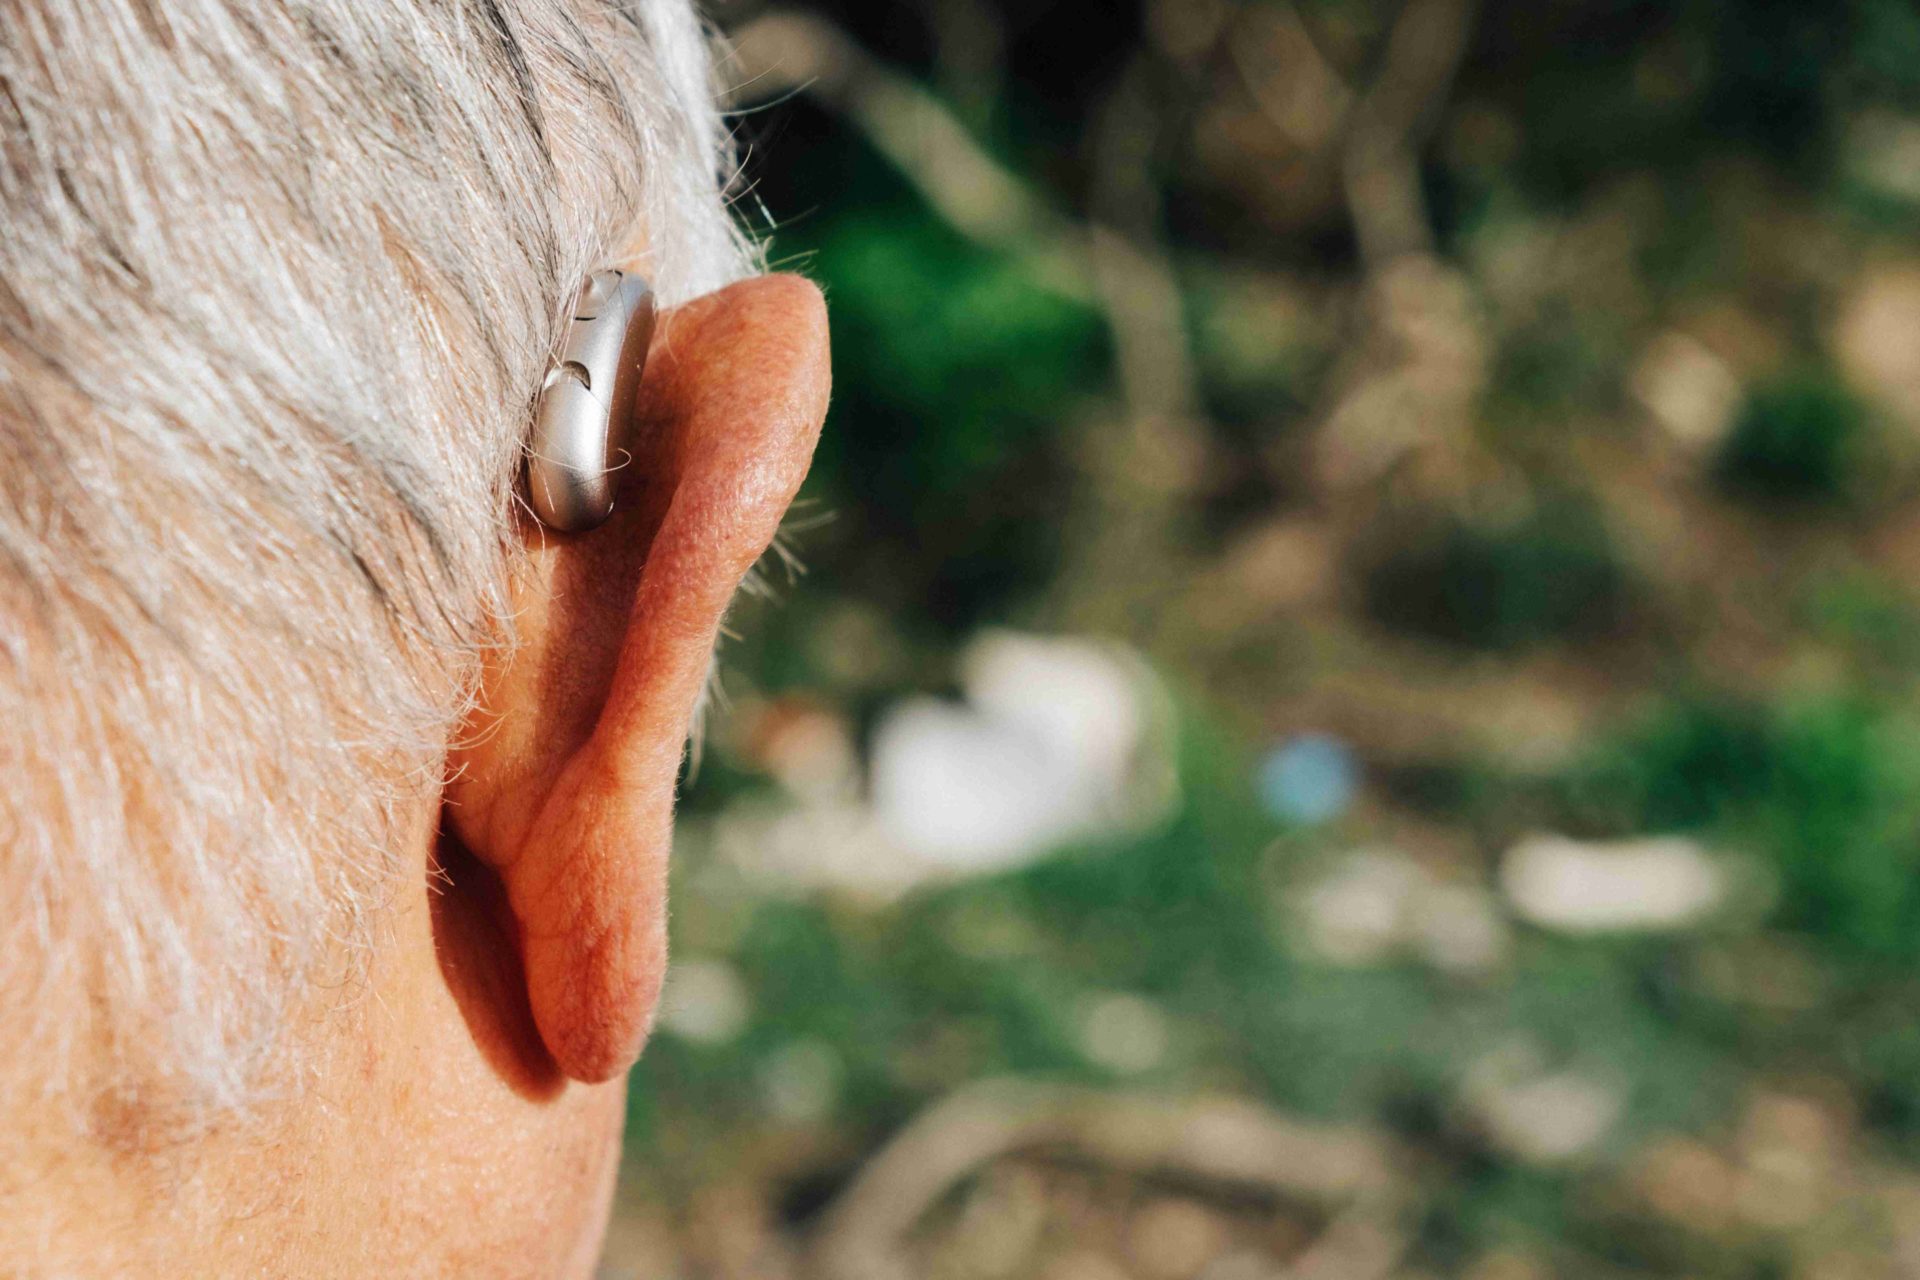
column 1551, row 575
column 1795, row 441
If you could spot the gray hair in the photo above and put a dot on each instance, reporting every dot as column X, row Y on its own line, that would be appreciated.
column 277, row 286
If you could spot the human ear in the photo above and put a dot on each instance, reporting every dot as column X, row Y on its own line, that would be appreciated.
column 564, row 784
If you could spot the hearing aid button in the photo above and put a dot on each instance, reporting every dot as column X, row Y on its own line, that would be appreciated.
column 601, row 288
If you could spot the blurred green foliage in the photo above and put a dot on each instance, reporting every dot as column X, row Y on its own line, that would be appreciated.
column 954, row 371
column 1827, row 789
column 1553, row 574
column 1609, row 597
column 1795, row 441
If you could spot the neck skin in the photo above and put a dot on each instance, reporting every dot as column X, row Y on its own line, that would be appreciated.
column 429, row 1136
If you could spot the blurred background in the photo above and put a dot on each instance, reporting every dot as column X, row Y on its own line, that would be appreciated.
column 1342, row 702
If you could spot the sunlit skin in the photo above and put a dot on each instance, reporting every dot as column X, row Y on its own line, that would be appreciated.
column 461, row 1114
column 568, row 790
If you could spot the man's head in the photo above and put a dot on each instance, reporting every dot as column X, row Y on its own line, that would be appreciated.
column 339, row 790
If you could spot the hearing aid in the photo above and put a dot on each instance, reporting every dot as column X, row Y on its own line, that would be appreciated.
column 583, row 423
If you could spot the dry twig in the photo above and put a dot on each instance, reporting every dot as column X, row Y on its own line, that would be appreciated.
column 1390, row 121
column 1230, row 1144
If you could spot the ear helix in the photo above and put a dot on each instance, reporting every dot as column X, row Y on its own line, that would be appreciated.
column 583, row 422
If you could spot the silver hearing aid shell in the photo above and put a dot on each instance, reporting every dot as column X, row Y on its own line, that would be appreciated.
column 583, row 426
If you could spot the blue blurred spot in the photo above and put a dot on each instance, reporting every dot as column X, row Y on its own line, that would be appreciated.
column 1308, row 779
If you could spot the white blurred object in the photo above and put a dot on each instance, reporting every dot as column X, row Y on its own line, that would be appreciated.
column 1536, row 1114
column 1058, row 740
column 704, row 1002
column 1688, row 390
column 1574, row 886
column 1376, row 904
column 800, row 848
column 1359, row 912
column 960, row 789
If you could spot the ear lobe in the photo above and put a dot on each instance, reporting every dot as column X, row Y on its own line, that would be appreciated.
column 567, row 785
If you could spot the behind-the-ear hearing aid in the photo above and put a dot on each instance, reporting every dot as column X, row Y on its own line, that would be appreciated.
column 584, row 420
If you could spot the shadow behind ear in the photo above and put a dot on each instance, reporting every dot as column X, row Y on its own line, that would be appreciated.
column 474, row 936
